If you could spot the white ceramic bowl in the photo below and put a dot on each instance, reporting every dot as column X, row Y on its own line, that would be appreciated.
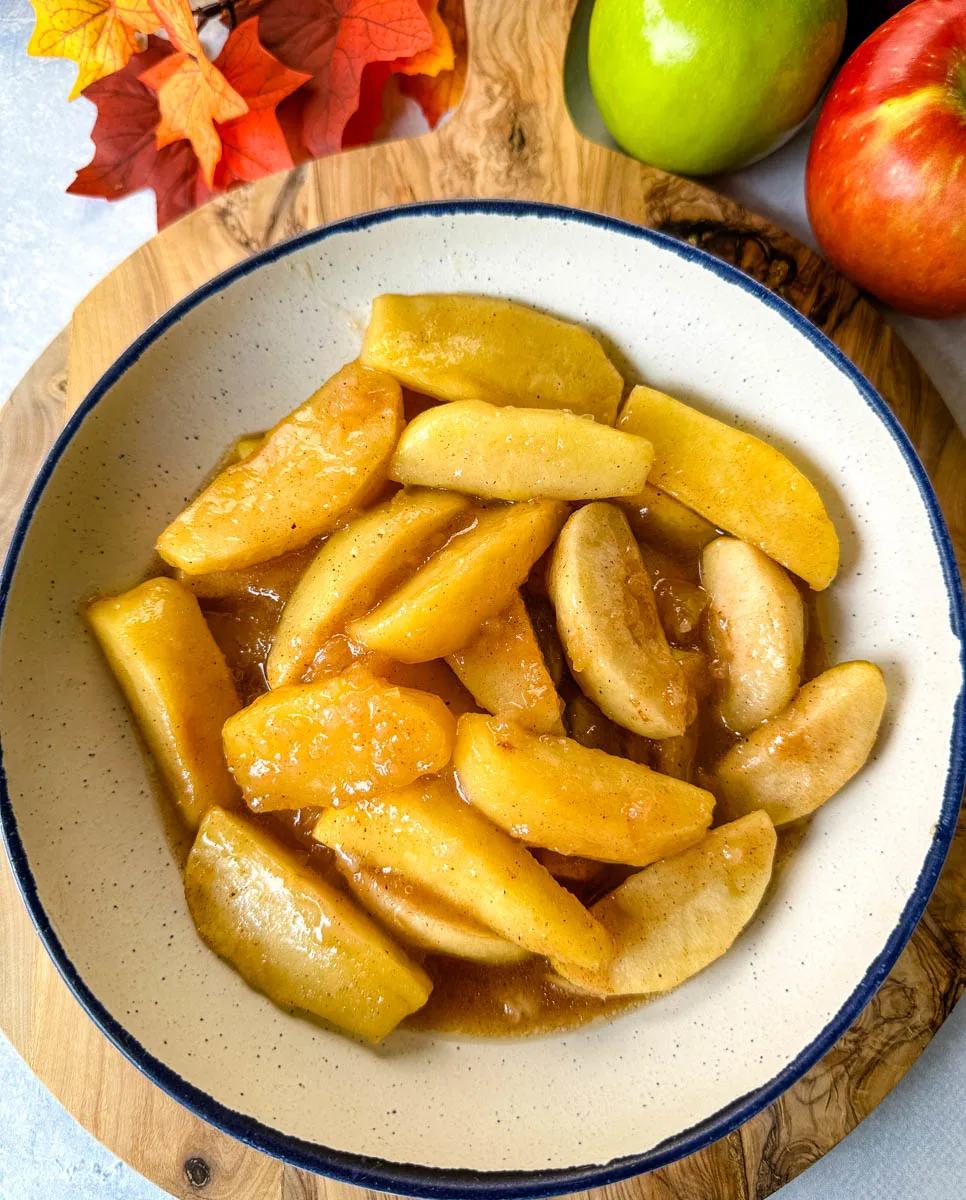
column 424, row 1114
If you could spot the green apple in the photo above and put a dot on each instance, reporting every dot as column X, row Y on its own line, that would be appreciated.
column 698, row 86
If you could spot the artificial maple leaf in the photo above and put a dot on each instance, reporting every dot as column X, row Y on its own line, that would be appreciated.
column 439, row 55
column 92, row 33
column 192, row 92
column 437, row 95
column 333, row 40
column 365, row 122
column 370, row 120
column 254, row 145
column 179, row 23
column 126, row 155
column 139, row 14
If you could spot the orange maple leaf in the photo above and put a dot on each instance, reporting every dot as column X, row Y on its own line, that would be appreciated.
column 139, row 14
column 437, row 95
column 192, row 93
column 254, row 145
column 99, row 35
column 438, row 57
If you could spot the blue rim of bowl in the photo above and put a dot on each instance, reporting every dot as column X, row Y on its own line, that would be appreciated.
column 456, row 1183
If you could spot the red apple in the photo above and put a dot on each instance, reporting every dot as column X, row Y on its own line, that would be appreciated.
column 886, row 177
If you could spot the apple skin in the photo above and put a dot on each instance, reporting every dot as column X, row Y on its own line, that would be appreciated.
column 699, row 86
column 885, row 182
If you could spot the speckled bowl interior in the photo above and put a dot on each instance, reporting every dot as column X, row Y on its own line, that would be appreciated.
column 430, row 1114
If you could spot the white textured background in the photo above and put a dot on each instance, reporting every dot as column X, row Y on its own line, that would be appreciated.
column 53, row 248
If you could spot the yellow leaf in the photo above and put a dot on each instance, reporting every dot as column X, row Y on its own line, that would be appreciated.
column 92, row 33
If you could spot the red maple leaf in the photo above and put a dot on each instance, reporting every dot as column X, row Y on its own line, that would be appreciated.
column 334, row 40
column 127, row 158
column 126, row 155
column 370, row 117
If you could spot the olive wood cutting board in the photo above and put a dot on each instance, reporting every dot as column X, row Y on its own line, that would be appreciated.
column 511, row 137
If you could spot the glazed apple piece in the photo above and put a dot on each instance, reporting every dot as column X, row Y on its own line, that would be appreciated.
column 658, row 518
column 322, row 461
column 504, row 669
column 246, row 446
column 326, row 742
column 417, row 917
column 178, row 685
column 756, row 631
column 608, row 622
column 354, row 567
column 736, row 481
column 519, row 453
column 474, row 577
column 293, row 936
column 427, row 832
column 273, row 580
column 674, row 918
column 555, row 793
column 795, row 762
column 461, row 347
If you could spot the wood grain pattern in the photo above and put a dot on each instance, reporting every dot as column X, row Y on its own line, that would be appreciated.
column 512, row 137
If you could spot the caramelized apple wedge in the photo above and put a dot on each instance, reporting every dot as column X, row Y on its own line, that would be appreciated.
column 461, row 347
column 756, row 630
column 676, row 917
column 609, row 626
column 354, row 567
column 658, row 518
column 177, row 683
column 504, row 669
column 417, row 917
column 427, row 832
column 273, row 580
column 553, row 792
column 246, row 446
column 324, row 743
column 326, row 458
column 798, row 760
column 738, row 482
column 293, row 936
column 519, row 454
column 474, row 577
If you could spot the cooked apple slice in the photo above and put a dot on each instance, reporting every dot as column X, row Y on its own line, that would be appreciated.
column 474, row 577
column 519, row 454
column 680, row 607
column 293, row 936
column 418, row 917
column 799, row 759
column 503, row 667
column 756, row 630
column 658, row 518
column 246, row 446
column 478, row 348
column 272, row 580
column 178, row 684
column 323, row 460
column 609, row 626
column 676, row 917
column 354, row 568
column 553, row 792
column 738, row 482
column 326, row 742
column 427, row 832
